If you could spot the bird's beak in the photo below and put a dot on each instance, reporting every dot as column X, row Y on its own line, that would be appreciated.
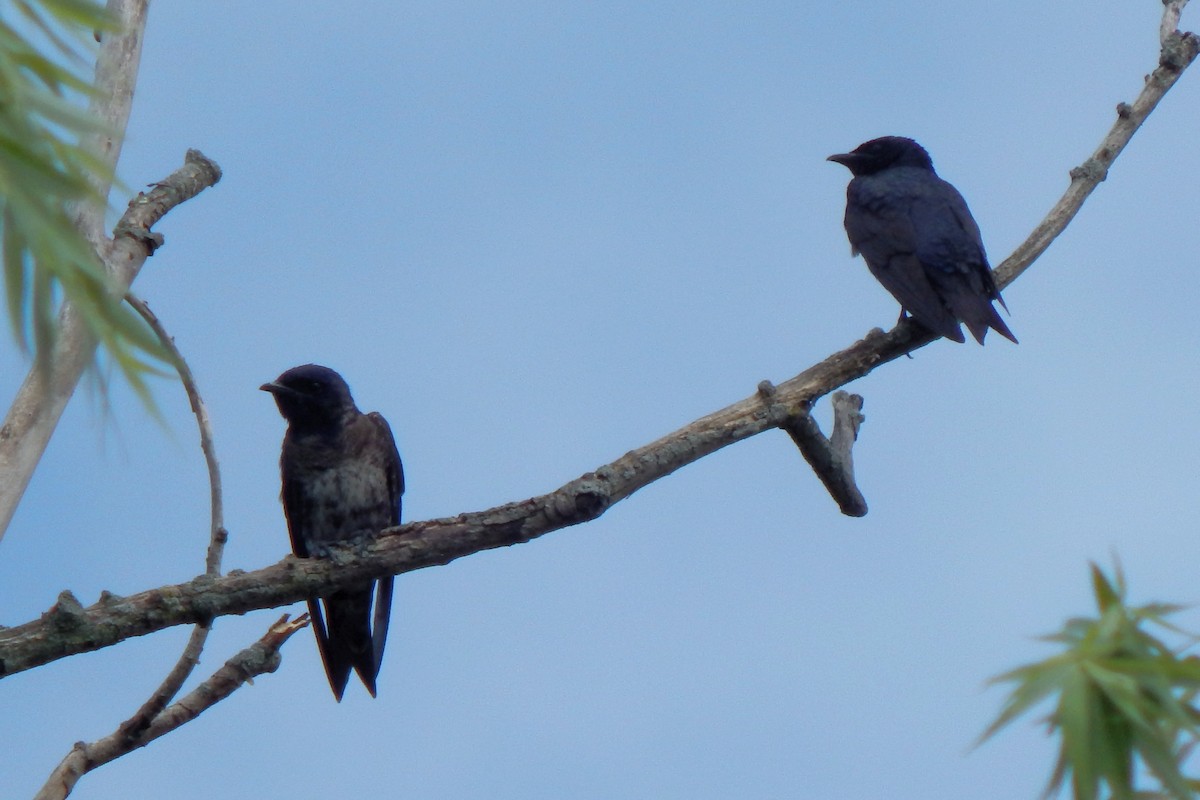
column 276, row 388
column 845, row 159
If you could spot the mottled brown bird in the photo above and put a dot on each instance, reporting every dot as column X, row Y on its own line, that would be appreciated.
column 342, row 482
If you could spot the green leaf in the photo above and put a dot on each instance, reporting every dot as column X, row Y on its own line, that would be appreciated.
column 1125, row 705
column 44, row 174
column 1106, row 594
column 1035, row 683
column 1074, row 719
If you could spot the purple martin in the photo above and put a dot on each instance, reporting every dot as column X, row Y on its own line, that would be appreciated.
column 342, row 481
column 919, row 239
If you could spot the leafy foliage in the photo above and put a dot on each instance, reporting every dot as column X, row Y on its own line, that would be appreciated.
column 43, row 175
column 1125, row 701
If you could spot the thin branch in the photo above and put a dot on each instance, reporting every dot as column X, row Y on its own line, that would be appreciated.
column 116, row 73
column 68, row 628
column 831, row 458
column 847, row 419
column 1172, row 11
column 218, row 535
column 40, row 402
column 149, row 711
column 1178, row 51
column 44, row 394
column 258, row 659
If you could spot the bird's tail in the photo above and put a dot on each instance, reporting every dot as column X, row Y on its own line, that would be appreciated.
column 979, row 327
column 978, row 314
column 350, row 643
column 337, row 667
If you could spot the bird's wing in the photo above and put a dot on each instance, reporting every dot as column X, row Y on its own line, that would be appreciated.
column 298, row 507
column 948, row 239
column 383, row 614
column 394, row 469
column 333, row 654
column 881, row 226
column 963, row 214
column 951, row 250
column 301, row 512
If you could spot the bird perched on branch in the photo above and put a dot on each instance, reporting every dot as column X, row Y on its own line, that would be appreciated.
column 342, row 481
column 919, row 239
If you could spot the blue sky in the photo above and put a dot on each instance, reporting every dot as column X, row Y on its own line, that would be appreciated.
column 537, row 235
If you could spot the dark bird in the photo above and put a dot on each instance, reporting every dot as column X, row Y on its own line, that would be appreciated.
column 342, row 481
column 919, row 239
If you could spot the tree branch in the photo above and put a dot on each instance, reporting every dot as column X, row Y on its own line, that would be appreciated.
column 44, row 395
column 257, row 659
column 116, row 74
column 831, row 458
column 68, row 628
column 149, row 721
column 40, row 402
column 142, row 718
column 1178, row 51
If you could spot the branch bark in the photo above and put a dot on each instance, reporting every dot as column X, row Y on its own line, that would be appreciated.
column 832, row 459
column 44, row 394
column 257, row 659
column 1177, row 52
column 38, row 406
column 68, row 628
column 217, row 536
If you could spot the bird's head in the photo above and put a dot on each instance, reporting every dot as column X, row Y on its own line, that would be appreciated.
column 312, row 397
column 882, row 153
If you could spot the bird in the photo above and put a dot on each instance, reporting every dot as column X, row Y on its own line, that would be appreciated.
column 919, row 239
column 342, row 483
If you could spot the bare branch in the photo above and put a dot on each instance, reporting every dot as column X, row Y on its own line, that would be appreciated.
column 830, row 458
column 190, row 657
column 132, row 232
column 1178, row 52
column 134, row 227
column 115, row 79
column 1169, row 27
column 68, row 628
column 218, row 535
column 40, row 402
column 44, row 394
column 847, row 419
column 257, row 659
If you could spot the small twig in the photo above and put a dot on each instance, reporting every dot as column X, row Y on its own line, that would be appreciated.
column 1172, row 11
column 42, row 397
column 218, row 535
column 135, row 731
column 115, row 79
column 259, row 658
column 831, row 459
column 847, row 419
column 39, row 403
column 1178, row 51
column 197, row 174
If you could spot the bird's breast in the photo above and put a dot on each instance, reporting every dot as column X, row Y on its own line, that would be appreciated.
column 345, row 499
